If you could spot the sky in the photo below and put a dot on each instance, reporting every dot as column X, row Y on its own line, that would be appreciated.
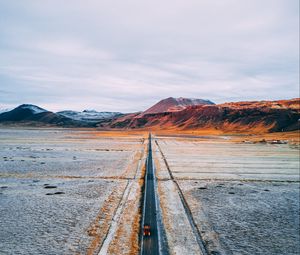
column 125, row 55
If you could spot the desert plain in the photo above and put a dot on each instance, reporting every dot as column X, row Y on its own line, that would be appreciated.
column 74, row 191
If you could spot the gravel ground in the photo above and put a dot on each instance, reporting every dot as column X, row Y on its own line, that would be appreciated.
column 243, row 197
column 55, row 183
column 35, row 220
column 246, row 218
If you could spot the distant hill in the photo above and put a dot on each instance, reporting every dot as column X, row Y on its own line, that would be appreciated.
column 89, row 115
column 172, row 114
column 172, row 104
column 27, row 114
column 259, row 116
column 32, row 115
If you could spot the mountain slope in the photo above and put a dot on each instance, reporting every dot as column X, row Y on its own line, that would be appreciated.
column 89, row 115
column 264, row 116
column 172, row 104
column 32, row 115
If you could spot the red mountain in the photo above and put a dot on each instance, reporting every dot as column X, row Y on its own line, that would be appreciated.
column 266, row 116
column 172, row 104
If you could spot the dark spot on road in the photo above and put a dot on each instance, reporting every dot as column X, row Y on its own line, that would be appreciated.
column 42, row 163
column 4, row 187
column 202, row 188
column 266, row 190
column 231, row 192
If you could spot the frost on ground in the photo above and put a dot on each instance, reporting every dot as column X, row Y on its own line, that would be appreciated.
column 123, row 235
column 99, row 228
column 246, row 217
column 60, row 188
column 179, row 233
column 192, row 159
column 180, row 237
column 161, row 169
column 125, row 239
column 37, row 220
column 244, row 198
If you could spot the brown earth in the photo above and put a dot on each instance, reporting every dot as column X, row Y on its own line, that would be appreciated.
column 238, row 117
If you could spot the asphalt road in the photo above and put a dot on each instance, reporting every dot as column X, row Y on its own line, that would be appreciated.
column 150, row 244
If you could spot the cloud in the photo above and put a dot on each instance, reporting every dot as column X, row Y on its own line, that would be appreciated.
column 126, row 55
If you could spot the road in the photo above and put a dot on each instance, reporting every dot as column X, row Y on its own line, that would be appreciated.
column 150, row 244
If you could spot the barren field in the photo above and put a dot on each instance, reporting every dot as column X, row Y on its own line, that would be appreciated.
column 243, row 198
column 66, row 191
column 62, row 190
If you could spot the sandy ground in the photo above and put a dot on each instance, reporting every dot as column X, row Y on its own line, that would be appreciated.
column 244, row 198
column 60, row 189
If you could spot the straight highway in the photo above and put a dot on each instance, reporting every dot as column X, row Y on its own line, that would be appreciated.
column 150, row 243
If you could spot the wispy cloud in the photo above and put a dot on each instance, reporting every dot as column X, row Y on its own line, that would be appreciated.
column 126, row 56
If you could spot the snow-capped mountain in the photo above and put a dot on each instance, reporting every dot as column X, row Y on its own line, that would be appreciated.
column 33, row 108
column 24, row 112
column 89, row 115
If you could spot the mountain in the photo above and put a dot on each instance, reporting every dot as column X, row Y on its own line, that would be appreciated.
column 34, row 115
column 172, row 104
column 260, row 116
column 22, row 112
column 89, row 115
column 172, row 114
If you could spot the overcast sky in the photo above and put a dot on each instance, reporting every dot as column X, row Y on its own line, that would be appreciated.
column 124, row 55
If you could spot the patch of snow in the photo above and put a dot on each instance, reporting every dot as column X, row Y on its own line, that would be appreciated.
column 88, row 115
column 2, row 110
column 34, row 109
